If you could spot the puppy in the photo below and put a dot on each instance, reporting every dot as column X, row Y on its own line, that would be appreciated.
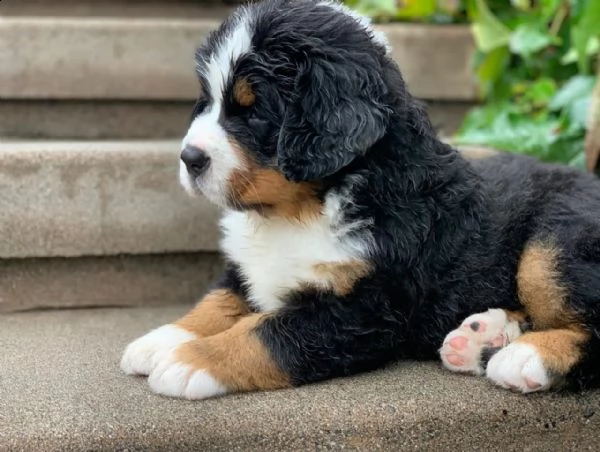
column 355, row 237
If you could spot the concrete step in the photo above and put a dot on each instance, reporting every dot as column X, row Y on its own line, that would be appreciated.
column 95, row 198
column 98, row 55
column 100, row 223
column 142, row 120
column 83, row 69
column 210, row 9
column 61, row 390
column 101, row 281
column 95, row 119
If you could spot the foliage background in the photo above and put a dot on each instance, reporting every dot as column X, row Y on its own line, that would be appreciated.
column 535, row 65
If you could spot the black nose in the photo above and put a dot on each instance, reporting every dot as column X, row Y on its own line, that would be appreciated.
column 195, row 160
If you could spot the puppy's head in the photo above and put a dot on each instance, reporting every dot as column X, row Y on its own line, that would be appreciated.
column 291, row 94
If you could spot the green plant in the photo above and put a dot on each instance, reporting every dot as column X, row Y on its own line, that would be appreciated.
column 430, row 11
column 534, row 66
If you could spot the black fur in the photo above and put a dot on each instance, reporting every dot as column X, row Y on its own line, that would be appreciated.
column 448, row 233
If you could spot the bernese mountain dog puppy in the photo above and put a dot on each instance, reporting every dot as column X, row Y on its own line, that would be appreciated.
column 355, row 237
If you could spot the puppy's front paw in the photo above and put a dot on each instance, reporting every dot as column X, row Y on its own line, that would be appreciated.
column 143, row 354
column 463, row 348
column 519, row 367
column 181, row 374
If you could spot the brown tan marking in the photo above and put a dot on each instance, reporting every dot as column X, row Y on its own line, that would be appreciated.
column 342, row 276
column 560, row 344
column 270, row 193
column 216, row 312
column 236, row 358
column 477, row 152
column 243, row 94
column 540, row 289
column 516, row 316
column 559, row 349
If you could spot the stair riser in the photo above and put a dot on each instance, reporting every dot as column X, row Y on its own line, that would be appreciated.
column 148, row 280
column 103, row 119
column 100, row 119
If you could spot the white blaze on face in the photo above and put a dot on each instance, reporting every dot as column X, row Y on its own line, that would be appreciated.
column 205, row 132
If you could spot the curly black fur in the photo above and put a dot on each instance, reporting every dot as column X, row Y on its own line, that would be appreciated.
column 331, row 105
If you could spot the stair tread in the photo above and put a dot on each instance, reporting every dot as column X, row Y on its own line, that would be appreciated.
column 65, row 391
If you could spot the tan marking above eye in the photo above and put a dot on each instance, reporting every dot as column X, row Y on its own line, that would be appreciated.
column 243, row 94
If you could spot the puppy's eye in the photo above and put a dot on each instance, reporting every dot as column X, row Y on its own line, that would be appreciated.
column 254, row 120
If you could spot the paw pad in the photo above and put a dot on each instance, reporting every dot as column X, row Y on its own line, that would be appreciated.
column 462, row 348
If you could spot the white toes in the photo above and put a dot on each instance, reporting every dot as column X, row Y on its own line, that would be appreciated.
column 175, row 379
column 461, row 350
column 143, row 354
column 490, row 324
column 520, row 367
column 202, row 385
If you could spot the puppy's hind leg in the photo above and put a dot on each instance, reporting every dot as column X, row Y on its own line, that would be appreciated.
column 557, row 289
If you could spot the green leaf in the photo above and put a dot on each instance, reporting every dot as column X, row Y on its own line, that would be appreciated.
column 490, row 70
column 564, row 150
column 498, row 126
column 381, row 10
column 527, row 39
column 578, row 113
column 576, row 88
column 549, row 8
column 488, row 31
column 416, row 9
column 541, row 92
column 524, row 5
column 578, row 161
column 593, row 47
column 588, row 27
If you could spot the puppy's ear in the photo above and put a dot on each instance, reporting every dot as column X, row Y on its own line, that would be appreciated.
column 335, row 117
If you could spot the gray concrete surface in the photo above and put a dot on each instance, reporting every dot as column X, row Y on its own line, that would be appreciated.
column 94, row 120
column 97, row 198
column 143, row 120
column 125, row 280
column 152, row 58
column 61, row 389
column 209, row 9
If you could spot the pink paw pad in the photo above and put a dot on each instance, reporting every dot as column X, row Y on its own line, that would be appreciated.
column 458, row 343
column 462, row 348
column 532, row 384
column 455, row 360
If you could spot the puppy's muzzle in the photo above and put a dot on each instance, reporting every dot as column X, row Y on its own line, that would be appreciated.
column 196, row 160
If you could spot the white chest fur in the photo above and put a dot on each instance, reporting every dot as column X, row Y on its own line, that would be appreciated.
column 277, row 256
